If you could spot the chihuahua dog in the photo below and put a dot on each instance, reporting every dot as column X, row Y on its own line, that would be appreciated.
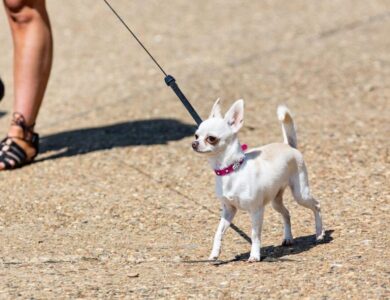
column 249, row 180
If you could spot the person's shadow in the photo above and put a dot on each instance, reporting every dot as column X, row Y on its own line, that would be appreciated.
column 143, row 132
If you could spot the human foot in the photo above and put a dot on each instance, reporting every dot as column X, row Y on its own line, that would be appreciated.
column 20, row 146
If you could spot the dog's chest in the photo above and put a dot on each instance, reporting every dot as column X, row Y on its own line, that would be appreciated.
column 236, row 192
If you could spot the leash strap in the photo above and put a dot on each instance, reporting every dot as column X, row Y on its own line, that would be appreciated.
column 170, row 81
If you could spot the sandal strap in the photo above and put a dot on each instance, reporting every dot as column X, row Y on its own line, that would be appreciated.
column 10, row 151
column 10, row 156
column 15, row 149
column 7, row 164
column 35, row 143
column 11, row 137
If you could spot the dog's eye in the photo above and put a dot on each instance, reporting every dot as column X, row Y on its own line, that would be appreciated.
column 212, row 140
column 196, row 136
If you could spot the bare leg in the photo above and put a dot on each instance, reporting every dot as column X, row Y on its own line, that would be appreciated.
column 31, row 33
column 278, row 205
column 228, row 213
column 257, row 224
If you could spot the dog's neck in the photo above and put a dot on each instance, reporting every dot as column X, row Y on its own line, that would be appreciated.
column 233, row 153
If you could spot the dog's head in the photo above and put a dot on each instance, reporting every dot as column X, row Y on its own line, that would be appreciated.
column 215, row 133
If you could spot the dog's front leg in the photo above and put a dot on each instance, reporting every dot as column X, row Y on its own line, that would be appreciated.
column 228, row 213
column 257, row 223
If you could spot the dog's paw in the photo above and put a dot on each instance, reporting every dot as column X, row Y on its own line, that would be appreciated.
column 320, row 237
column 287, row 242
column 213, row 257
column 252, row 259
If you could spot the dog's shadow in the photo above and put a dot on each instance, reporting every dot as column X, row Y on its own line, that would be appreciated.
column 276, row 253
column 86, row 140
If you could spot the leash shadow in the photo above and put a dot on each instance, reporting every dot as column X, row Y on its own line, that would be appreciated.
column 277, row 253
column 126, row 134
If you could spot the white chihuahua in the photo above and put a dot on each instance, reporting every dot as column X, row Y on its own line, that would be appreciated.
column 249, row 180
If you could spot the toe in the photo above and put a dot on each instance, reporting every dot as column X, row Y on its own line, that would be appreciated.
column 253, row 259
column 320, row 237
column 7, row 164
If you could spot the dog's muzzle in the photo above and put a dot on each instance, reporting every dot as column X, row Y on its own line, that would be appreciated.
column 195, row 145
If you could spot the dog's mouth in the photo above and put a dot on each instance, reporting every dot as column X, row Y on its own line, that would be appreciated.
column 202, row 152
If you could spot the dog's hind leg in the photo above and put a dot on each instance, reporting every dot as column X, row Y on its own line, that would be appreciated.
column 278, row 205
column 228, row 213
column 299, row 185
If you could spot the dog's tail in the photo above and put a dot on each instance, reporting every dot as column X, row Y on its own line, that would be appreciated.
column 288, row 128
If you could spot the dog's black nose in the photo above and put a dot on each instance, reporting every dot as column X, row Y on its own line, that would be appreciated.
column 195, row 145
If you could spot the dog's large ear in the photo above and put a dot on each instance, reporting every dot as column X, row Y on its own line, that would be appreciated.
column 235, row 115
column 216, row 110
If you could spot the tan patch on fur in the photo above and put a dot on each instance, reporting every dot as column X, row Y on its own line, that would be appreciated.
column 272, row 151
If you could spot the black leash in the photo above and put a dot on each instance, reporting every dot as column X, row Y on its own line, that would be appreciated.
column 170, row 81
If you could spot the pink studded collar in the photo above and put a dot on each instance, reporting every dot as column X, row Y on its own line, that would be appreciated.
column 232, row 167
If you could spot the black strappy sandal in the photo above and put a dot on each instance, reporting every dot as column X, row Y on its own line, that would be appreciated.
column 11, row 154
column 1, row 89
